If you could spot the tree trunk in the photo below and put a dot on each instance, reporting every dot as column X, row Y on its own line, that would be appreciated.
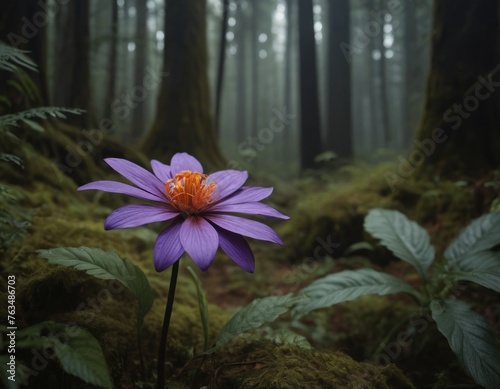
column 339, row 130
column 141, row 44
column 287, row 131
column 241, row 74
column 459, row 135
column 183, row 121
column 255, row 61
column 410, row 72
column 72, row 86
column 112, row 68
column 222, row 60
column 310, row 132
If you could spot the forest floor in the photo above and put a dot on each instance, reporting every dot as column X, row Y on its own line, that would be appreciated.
column 343, row 342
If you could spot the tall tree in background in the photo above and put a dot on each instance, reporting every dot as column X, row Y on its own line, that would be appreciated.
column 310, row 131
column 141, row 45
column 339, row 129
column 112, row 68
column 411, row 70
column 287, row 144
column 221, row 62
column 183, row 121
column 461, row 122
column 72, row 65
column 241, row 74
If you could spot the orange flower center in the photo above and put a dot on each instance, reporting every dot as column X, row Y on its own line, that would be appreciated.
column 189, row 192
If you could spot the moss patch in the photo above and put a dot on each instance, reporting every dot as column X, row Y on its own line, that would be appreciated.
column 266, row 365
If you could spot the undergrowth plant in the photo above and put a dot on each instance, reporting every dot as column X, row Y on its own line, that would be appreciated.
column 14, row 219
column 470, row 257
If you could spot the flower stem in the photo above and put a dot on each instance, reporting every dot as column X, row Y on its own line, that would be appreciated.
column 164, row 332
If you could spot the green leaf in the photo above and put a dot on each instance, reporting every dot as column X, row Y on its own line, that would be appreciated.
column 471, row 340
column 202, row 304
column 10, row 55
column 82, row 357
column 258, row 312
column 11, row 158
column 349, row 285
column 483, row 268
column 33, row 125
column 78, row 352
column 105, row 265
column 358, row 247
column 406, row 239
column 482, row 234
column 12, row 120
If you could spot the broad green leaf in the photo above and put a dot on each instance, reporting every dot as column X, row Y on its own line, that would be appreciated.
column 406, row 239
column 488, row 279
column 481, row 234
column 483, row 268
column 78, row 352
column 105, row 265
column 481, row 261
column 202, row 304
column 471, row 340
column 82, row 357
column 349, row 285
column 258, row 312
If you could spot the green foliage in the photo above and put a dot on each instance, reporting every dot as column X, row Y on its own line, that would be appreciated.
column 258, row 312
column 14, row 219
column 25, row 117
column 471, row 340
column 78, row 352
column 349, row 285
column 11, row 58
column 406, row 239
column 469, row 257
column 482, row 234
column 106, row 265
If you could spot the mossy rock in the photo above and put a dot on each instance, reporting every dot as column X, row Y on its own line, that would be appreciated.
column 270, row 366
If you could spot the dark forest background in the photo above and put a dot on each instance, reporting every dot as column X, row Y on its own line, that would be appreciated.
column 361, row 66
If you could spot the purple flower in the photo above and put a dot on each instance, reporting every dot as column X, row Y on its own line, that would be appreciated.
column 196, row 206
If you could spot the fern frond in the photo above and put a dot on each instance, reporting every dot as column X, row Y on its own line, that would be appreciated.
column 14, row 119
column 11, row 58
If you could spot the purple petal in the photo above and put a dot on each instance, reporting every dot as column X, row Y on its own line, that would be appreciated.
column 161, row 170
column 184, row 161
column 227, row 182
column 136, row 215
column 119, row 187
column 200, row 240
column 245, row 227
column 250, row 208
column 168, row 248
column 237, row 248
column 138, row 176
column 248, row 194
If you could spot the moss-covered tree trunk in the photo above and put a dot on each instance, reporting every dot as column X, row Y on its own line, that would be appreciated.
column 459, row 134
column 183, row 120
